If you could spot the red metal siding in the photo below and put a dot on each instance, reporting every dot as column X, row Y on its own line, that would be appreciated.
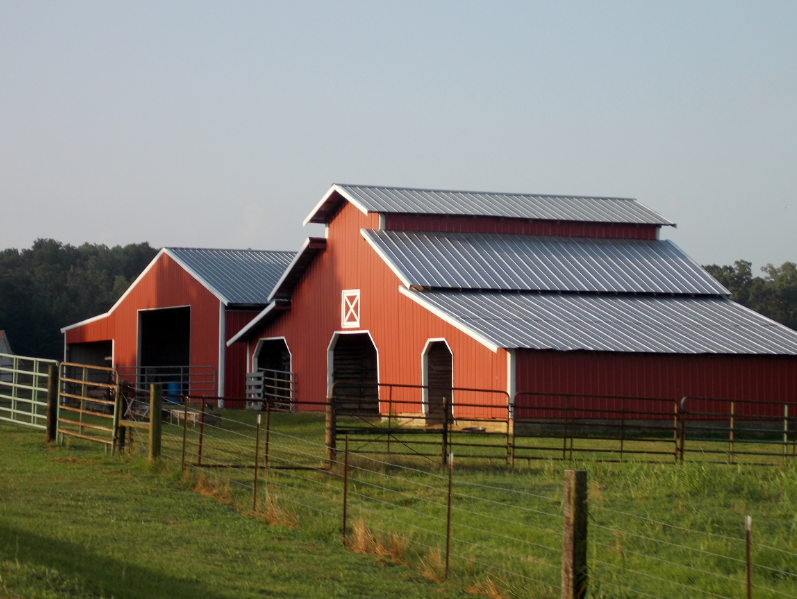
column 660, row 376
column 399, row 327
column 235, row 365
column 166, row 284
column 518, row 226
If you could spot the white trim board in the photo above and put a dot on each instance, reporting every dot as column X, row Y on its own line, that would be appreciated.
column 417, row 298
column 334, row 189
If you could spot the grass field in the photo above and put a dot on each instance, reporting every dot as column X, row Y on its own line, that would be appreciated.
column 77, row 523
column 657, row 530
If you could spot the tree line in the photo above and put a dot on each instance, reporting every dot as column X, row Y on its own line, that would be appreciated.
column 53, row 284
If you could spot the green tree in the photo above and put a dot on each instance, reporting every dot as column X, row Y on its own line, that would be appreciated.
column 52, row 284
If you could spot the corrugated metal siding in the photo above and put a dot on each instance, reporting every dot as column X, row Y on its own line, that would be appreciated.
column 517, row 226
column 165, row 285
column 615, row 323
column 240, row 276
column 540, row 263
column 759, row 378
column 235, row 356
column 399, row 327
column 511, row 205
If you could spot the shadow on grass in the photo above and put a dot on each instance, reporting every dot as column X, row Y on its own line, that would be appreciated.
column 98, row 574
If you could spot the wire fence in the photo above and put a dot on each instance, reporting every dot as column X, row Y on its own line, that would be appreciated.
column 397, row 507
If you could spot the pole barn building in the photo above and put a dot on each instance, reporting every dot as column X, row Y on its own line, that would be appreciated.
column 172, row 323
column 513, row 293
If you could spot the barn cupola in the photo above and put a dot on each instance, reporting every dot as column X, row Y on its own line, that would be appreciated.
column 404, row 209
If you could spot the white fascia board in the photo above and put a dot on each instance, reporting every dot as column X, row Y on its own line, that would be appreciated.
column 252, row 324
column 334, row 189
column 194, row 274
column 87, row 321
column 123, row 296
column 417, row 298
column 289, row 269
column 388, row 260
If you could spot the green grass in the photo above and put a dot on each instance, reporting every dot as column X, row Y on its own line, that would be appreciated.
column 75, row 522
column 653, row 527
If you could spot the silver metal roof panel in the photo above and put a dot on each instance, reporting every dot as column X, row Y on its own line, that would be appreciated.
column 670, row 325
column 243, row 277
column 473, row 203
column 540, row 263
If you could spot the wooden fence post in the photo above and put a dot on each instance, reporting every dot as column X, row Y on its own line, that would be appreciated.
column 53, row 383
column 331, row 430
column 154, row 422
column 574, row 541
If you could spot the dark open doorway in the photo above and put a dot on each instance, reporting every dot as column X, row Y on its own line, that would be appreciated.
column 97, row 353
column 164, row 348
column 355, row 373
column 273, row 363
column 439, row 375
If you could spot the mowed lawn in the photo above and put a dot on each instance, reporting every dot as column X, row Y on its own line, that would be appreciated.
column 77, row 523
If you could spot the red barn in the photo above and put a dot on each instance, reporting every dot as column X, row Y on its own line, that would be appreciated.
column 509, row 292
column 171, row 325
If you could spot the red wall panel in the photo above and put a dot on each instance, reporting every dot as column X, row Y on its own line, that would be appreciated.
column 235, row 365
column 656, row 376
column 517, row 226
column 399, row 327
column 164, row 285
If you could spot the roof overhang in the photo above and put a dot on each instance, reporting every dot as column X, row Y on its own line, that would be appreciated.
column 311, row 247
column 270, row 312
column 329, row 204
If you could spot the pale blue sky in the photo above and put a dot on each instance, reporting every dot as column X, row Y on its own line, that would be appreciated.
column 222, row 124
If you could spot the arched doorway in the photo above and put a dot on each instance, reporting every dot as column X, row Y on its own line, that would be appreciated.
column 272, row 366
column 354, row 372
column 438, row 375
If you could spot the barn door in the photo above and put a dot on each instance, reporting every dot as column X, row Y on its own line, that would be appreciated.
column 439, row 364
column 354, row 372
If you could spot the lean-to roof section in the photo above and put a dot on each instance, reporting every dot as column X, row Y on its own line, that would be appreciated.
column 540, row 263
column 398, row 200
column 236, row 277
column 614, row 323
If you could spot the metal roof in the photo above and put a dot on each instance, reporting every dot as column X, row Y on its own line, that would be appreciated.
column 672, row 325
column 238, row 277
column 540, row 263
column 296, row 269
column 475, row 203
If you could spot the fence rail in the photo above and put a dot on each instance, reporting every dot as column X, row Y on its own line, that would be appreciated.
column 24, row 386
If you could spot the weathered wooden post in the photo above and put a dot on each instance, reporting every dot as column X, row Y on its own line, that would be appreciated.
column 331, row 429
column 154, row 422
column 574, row 541
column 53, row 383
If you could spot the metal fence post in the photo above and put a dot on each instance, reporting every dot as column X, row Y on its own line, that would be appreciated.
column 53, row 383
column 268, row 429
column 574, row 541
column 730, row 435
column 257, row 464
column 154, row 422
column 448, row 519
column 201, row 434
column 345, row 486
column 748, row 537
column 185, row 429
column 117, row 412
column 445, row 430
column 331, row 430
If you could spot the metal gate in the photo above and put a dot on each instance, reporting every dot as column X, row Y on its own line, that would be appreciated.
column 89, row 403
column 23, row 390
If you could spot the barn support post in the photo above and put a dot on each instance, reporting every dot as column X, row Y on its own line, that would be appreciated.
column 53, row 382
column 574, row 540
column 154, row 423
column 331, row 428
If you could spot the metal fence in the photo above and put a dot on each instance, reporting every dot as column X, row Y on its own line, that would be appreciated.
column 23, row 390
column 89, row 403
column 175, row 381
column 277, row 387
